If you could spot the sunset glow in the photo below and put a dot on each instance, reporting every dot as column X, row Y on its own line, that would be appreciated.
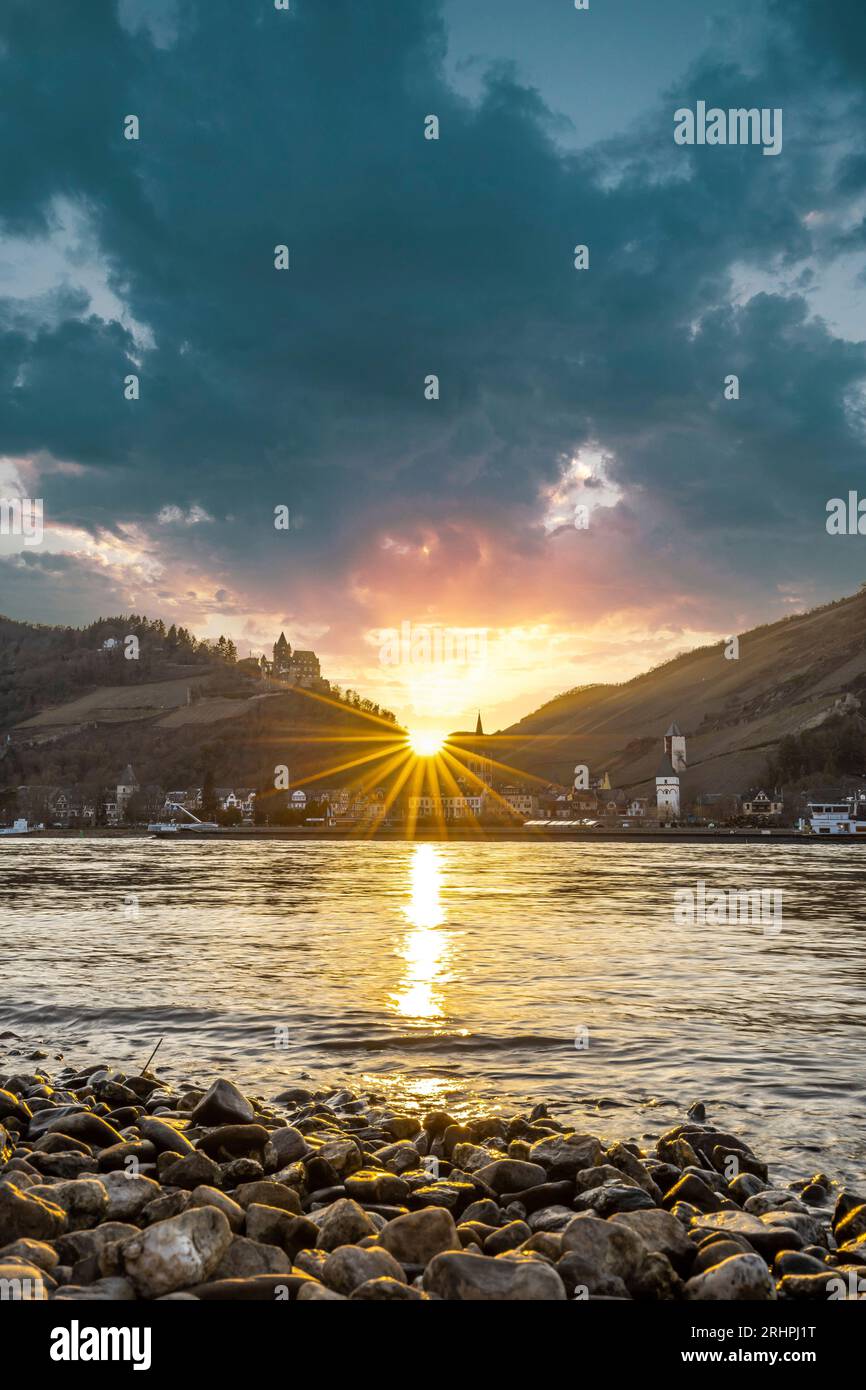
column 425, row 744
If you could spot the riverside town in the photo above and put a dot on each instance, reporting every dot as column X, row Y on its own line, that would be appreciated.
column 432, row 683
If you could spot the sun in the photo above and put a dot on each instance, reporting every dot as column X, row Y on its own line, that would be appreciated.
column 425, row 744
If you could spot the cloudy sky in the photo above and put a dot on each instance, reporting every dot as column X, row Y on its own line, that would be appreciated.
column 559, row 389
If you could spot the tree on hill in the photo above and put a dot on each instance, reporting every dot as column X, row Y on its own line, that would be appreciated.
column 835, row 749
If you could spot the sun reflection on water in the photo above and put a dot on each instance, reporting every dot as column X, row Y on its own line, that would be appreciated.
column 425, row 948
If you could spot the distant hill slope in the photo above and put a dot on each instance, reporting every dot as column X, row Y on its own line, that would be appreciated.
column 43, row 667
column 791, row 675
column 72, row 714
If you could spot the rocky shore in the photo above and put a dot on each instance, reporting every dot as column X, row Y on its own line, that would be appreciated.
column 119, row 1187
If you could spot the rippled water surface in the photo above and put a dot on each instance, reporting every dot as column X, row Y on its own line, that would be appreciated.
column 457, row 973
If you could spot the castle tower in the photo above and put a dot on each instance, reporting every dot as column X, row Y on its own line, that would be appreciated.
column 127, row 786
column 282, row 655
column 667, row 790
column 675, row 746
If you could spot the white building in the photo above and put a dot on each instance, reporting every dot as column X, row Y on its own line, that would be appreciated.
column 237, row 799
column 446, row 807
column 522, row 803
column 667, row 790
column 763, row 805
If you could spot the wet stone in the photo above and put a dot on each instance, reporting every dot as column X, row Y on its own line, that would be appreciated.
column 508, row 1237
column 740, row 1277
column 164, row 1137
column 387, row 1290
column 478, row 1278
column 372, row 1185
column 269, row 1194
column 177, row 1253
column 612, row 1198
column 23, row 1215
column 191, row 1171
column 349, row 1266
column 233, row 1141
column 117, row 1156
column 419, row 1235
column 205, row 1196
column 223, row 1104
column 246, row 1256
column 34, row 1252
column 454, row 1196
column 344, row 1223
column 128, row 1195
column 548, row 1219
column 289, row 1144
column 240, row 1170
column 512, row 1175
column 226, row 1202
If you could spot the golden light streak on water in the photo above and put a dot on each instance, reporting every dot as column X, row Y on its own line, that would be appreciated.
column 425, row 948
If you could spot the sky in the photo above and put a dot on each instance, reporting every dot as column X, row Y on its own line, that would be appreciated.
column 576, row 499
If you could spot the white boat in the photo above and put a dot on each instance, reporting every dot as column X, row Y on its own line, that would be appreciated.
column 847, row 816
column 20, row 827
column 172, row 827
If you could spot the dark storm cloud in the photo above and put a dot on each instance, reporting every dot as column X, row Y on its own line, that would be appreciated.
column 408, row 257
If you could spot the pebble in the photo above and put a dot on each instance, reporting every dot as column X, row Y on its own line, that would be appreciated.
column 739, row 1277
column 419, row 1235
column 33, row 1281
column 607, row 1247
column 211, row 1197
column 511, row 1174
column 611, row 1198
column 34, row 1252
column 246, row 1256
column 176, row 1253
column 478, row 1278
column 390, row 1290
column 116, row 1187
column 344, row 1223
column 223, row 1104
column 23, row 1215
column 165, row 1138
column 85, row 1201
column 349, row 1266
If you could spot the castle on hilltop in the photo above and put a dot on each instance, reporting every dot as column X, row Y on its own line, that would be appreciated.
column 299, row 668
column 296, row 667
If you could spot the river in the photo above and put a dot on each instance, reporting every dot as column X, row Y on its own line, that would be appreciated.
column 457, row 973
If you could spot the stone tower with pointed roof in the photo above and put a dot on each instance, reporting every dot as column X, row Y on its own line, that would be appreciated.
column 675, row 746
column 282, row 656
column 127, row 786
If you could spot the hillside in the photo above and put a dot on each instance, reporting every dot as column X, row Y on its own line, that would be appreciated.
column 802, row 674
column 73, row 714
column 43, row 667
